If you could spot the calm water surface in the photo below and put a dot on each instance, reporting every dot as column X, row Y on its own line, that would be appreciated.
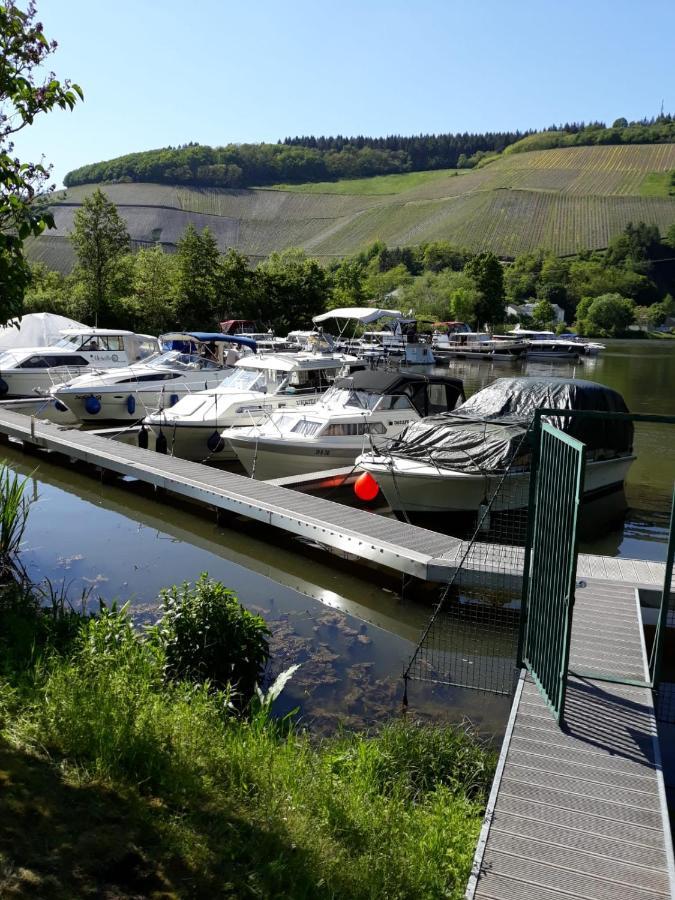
column 351, row 632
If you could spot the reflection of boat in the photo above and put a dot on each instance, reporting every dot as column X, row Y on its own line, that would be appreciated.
column 455, row 339
column 256, row 387
column 193, row 361
column 27, row 371
column 398, row 338
column 365, row 409
column 455, row 461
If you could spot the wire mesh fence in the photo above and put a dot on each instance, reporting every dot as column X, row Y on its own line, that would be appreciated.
column 472, row 637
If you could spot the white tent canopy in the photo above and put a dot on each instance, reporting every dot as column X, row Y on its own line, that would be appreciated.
column 35, row 330
column 364, row 315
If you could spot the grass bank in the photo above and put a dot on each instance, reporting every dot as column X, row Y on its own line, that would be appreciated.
column 117, row 781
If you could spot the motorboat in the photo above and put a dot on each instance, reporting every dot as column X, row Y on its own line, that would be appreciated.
column 549, row 345
column 398, row 338
column 453, row 462
column 366, row 409
column 192, row 361
column 457, row 340
column 27, row 371
column 254, row 388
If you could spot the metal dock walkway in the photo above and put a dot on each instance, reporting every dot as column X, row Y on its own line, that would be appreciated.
column 405, row 548
column 581, row 812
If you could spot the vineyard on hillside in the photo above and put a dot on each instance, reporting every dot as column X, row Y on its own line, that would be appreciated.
column 565, row 200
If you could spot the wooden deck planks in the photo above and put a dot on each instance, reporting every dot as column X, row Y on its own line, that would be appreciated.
column 579, row 812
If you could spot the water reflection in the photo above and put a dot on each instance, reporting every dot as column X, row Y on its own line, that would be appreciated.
column 351, row 635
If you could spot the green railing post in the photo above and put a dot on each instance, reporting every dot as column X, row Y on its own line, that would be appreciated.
column 531, row 507
column 662, row 622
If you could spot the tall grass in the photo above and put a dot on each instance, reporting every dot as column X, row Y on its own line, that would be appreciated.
column 13, row 518
column 243, row 802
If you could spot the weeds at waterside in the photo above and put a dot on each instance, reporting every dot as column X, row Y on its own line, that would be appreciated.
column 119, row 778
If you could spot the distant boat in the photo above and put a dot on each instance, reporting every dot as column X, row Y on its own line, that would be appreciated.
column 398, row 338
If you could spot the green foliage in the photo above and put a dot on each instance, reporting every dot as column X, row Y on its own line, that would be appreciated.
column 207, row 636
column 25, row 93
column 543, row 314
column 292, row 287
column 14, row 508
column 152, row 305
column 656, row 131
column 198, row 272
column 608, row 315
column 101, row 240
column 488, row 276
column 240, row 801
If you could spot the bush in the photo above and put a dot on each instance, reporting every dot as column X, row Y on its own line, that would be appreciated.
column 206, row 635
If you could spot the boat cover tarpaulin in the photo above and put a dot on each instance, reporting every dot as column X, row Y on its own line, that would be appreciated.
column 35, row 330
column 486, row 433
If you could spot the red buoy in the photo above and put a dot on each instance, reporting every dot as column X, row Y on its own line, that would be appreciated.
column 366, row 488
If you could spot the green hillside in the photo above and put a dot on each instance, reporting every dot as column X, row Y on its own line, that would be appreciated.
column 564, row 199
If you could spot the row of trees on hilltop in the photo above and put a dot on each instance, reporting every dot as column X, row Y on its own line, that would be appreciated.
column 197, row 286
column 312, row 159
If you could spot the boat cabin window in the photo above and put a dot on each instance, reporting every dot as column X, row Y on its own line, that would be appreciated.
column 306, row 427
column 242, row 379
column 310, row 380
column 437, row 399
column 353, row 429
column 154, row 376
column 185, row 362
column 109, row 342
column 350, row 398
column 395, row 401
column 53, row 361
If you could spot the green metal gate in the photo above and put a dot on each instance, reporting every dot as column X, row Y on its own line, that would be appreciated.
column 551, row 561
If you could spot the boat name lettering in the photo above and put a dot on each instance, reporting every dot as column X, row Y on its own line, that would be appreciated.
column 86, row 396
column 321, row 452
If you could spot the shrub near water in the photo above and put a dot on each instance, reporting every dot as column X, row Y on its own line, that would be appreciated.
column 243, row 807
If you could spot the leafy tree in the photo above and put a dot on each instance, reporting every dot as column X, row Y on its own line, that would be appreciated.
column 100, row 239
column 238, row 287
column 520, row 278
column 154, row 290
column 488, row 276
column 198, row 278
column 381, row 285
column 439, row 255
column 25, row 93
column 348, row 284
column 543, row 314
column 48, row 291
column 294, row 287
column 606, row 316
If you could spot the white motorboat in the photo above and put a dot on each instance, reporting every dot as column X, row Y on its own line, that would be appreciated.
column 29, row 371
column 254, row 388
column 366, row 409
column 191, row 361
column 549, row 345
column 454, row 462
column 456, row 340
column 398, row 338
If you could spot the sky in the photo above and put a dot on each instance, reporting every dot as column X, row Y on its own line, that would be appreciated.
column 165, row 72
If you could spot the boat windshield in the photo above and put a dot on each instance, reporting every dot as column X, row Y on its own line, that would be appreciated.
column 343, row 398
column 242, row 379
column 183, row 362
column 70, row 342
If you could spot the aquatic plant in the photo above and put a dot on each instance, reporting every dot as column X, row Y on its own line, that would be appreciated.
column 13, row 518
column 207, row 635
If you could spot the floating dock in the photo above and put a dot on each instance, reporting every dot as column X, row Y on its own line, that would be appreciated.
column 408, row 549
column 580, row 812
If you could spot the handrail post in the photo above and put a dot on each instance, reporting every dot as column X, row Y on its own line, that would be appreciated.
column 660, row 635
column 534, row 467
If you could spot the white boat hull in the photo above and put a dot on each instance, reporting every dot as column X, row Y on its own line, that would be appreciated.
column 420, row 487
column 115, row 405
column 264, row 459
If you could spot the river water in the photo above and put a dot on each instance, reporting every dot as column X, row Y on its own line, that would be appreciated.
column 352, row 631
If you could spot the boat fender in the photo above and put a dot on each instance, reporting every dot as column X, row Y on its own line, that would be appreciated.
column 143, row 438
column 173, row 399
column 131, row 404
column 216, row 443
column 60, row 406
column 366, row 488
column 92, row 405
column 4, row 387
column 161, row 443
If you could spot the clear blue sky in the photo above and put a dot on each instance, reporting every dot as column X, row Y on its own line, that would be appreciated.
column 160, row 72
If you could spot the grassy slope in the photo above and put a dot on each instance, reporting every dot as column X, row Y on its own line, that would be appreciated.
column 566, row 200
